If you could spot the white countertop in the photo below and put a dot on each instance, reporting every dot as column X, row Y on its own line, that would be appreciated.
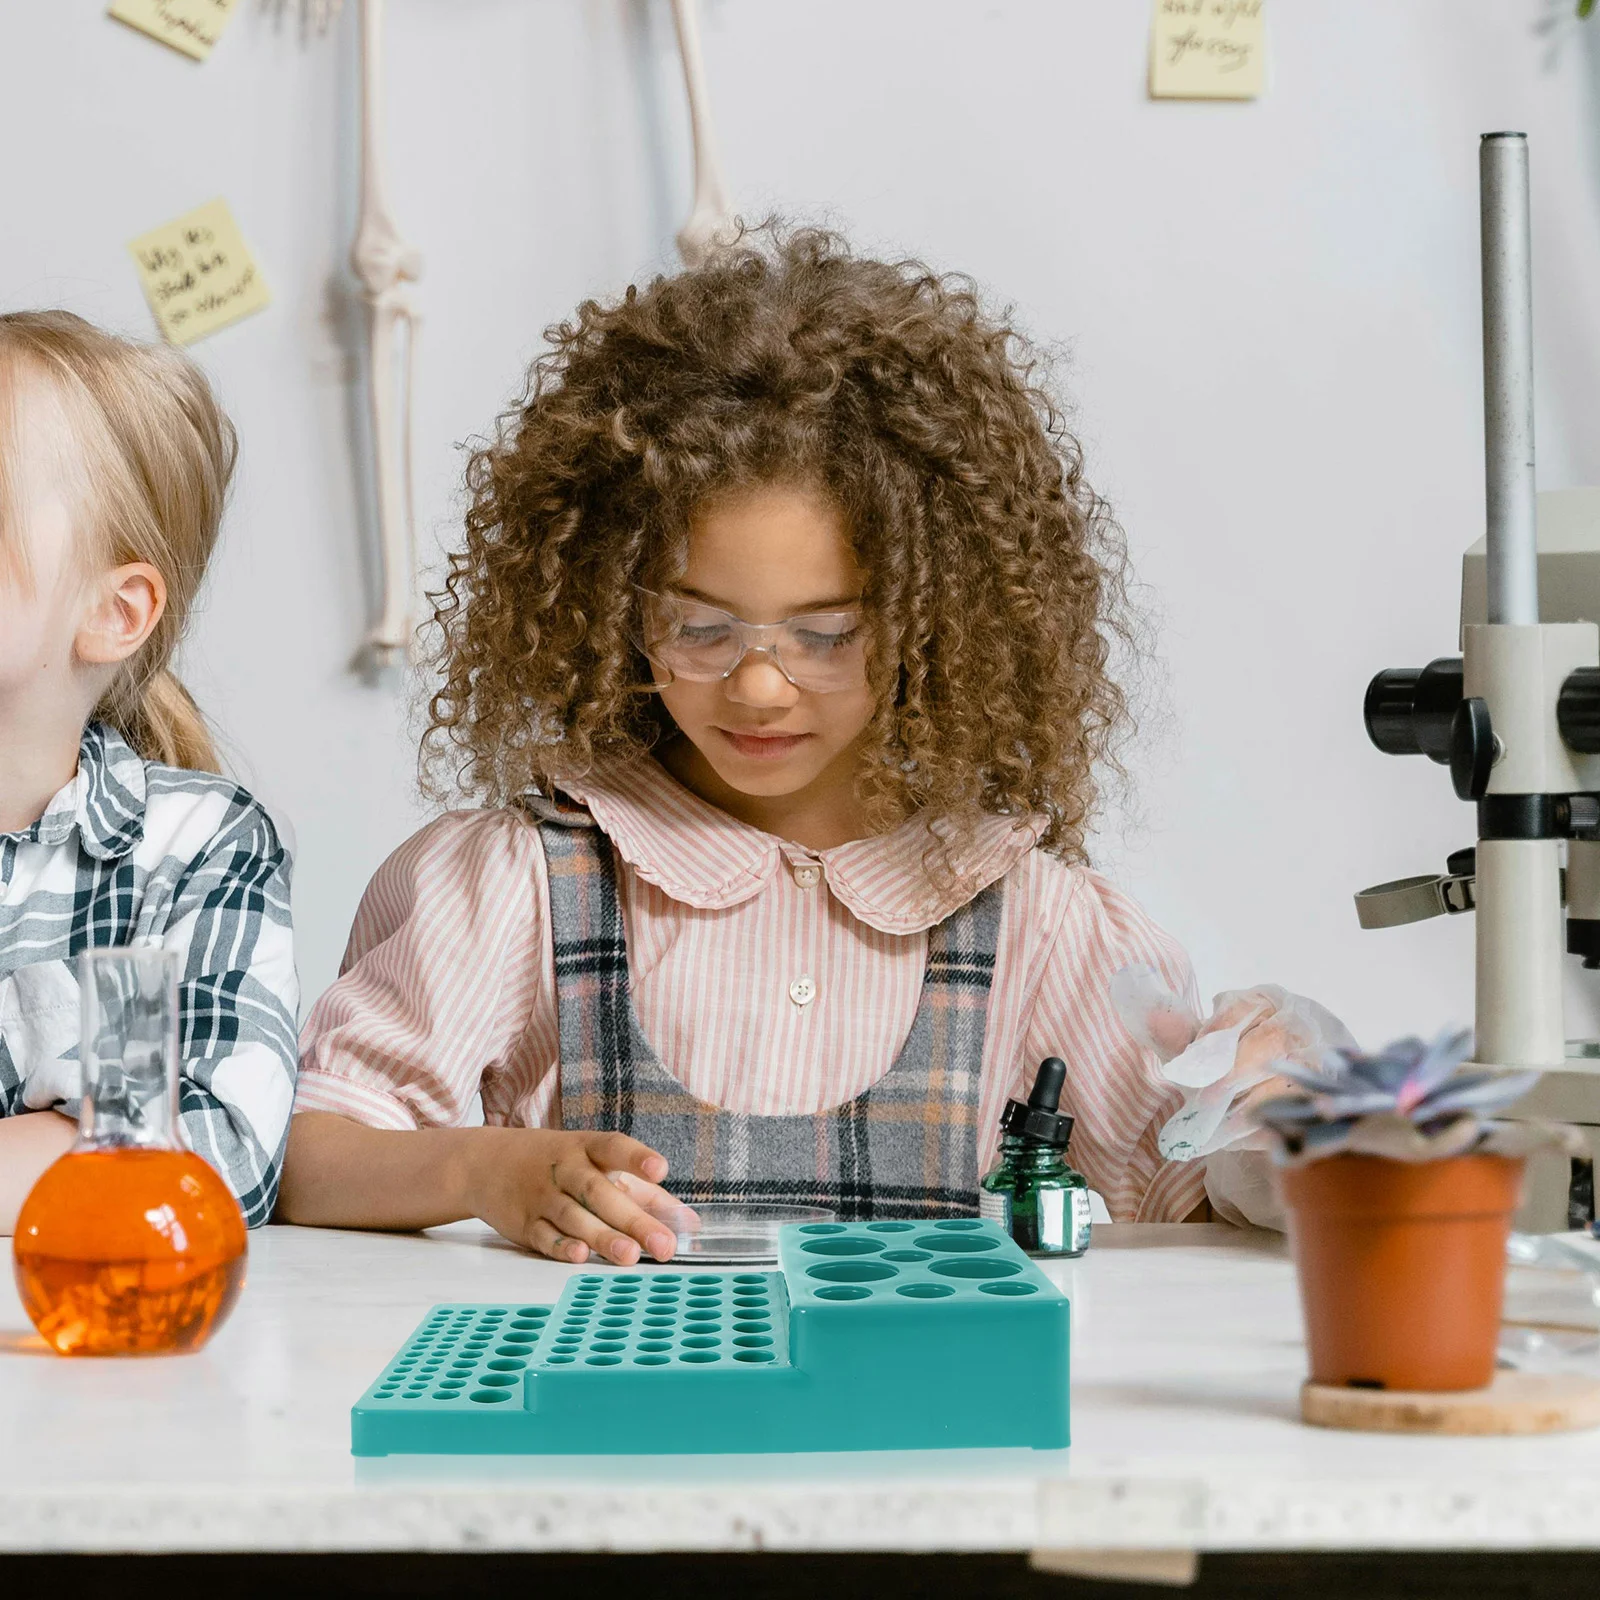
column 1187, row 1359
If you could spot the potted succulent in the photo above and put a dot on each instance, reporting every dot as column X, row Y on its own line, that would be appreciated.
column 1399, row 1186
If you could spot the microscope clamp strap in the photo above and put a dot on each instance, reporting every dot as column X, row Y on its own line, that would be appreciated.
column 1391, row 905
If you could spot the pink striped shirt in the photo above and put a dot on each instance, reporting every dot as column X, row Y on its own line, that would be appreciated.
column 448, row 984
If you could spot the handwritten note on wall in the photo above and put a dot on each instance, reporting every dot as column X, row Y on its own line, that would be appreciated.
column 1207, row 50
column 198, row 274
column 192, row 26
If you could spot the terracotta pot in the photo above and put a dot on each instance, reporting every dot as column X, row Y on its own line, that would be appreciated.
column 1402, row 1266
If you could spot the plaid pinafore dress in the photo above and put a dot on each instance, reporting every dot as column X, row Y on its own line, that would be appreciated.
column 906, row 1147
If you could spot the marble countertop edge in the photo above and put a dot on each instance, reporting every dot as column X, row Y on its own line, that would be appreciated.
column 1521, row 1512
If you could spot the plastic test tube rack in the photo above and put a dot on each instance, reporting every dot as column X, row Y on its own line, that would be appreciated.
column 870, row 1336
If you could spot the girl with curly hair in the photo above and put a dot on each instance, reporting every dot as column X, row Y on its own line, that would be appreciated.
column 778, row 648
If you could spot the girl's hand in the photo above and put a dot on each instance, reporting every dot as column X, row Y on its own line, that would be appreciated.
column 568, row 1195
column 1226, row 1063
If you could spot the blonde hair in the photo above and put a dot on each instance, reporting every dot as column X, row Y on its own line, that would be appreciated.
column 151, row 453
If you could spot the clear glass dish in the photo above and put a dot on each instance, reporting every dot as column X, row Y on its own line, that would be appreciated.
column 736, row 1234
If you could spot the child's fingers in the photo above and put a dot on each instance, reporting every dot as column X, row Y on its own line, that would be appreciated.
column 573, row 1220
column 617, row 1150
column 550, row 1241
column 1265, row 1044
column 601, row 1198
column 668, row 1208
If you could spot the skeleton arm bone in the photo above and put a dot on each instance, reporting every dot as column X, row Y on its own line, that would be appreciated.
column 386, row 264
column 711, row 221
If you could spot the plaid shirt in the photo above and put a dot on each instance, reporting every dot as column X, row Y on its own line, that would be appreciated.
column 131, row 852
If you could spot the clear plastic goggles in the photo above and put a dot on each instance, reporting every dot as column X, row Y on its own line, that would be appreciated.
column 820, row 650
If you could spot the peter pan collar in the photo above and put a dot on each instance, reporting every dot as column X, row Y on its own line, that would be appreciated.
column 899, row 882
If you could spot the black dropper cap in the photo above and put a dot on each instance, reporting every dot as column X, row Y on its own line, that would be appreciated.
column 1041, row 1121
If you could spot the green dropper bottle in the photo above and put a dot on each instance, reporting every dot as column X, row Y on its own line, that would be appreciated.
column 1032, row 1192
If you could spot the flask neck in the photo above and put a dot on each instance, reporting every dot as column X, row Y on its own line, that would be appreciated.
column 128, row 1116
column 128, row 1050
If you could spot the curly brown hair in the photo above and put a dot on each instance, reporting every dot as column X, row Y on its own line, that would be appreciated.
column 994, row 572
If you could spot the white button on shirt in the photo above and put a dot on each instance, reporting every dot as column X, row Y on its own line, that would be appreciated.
column 808, row 874
column 803, row 991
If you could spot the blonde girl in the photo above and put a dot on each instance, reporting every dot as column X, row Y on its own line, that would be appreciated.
column 115, row 826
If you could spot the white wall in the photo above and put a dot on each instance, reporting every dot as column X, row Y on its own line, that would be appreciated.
column 1270, row 312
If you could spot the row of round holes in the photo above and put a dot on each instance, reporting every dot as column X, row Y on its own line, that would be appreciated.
column 922, row 1291
column 949, row 1224
column 509, row 1357
column 912, row 1291
column 661, row 1309
column 614, row 1328
column 586, row 1300
column 664, row 1311
column 704, row 1297
column 653, row 1359
column 671, row 1288
column 656, row 1335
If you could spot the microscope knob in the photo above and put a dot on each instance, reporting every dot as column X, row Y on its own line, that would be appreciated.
column 1409, row 711
column 1578, row 710
column 1471, row 749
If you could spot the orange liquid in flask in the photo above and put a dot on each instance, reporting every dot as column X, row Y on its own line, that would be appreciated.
column 127, row 1251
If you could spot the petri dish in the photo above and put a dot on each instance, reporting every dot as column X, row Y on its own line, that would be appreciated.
column 731, row 1234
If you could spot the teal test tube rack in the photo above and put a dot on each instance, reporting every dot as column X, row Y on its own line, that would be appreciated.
column 870, row 1336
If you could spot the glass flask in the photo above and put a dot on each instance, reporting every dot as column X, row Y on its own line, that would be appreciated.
column 129, row 1244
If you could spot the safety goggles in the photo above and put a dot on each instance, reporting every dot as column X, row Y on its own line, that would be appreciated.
column 821, row 650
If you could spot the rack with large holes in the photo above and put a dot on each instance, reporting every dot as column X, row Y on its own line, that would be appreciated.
column 869, row 1336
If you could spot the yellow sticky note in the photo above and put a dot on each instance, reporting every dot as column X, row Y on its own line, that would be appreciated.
column 198, row 275
column 1207, row 50
column 191, row 26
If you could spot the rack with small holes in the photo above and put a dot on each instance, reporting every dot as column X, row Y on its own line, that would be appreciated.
column 869, row 1336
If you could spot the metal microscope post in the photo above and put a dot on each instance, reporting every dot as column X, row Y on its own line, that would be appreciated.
column 1520, row 944
column 1513, row 553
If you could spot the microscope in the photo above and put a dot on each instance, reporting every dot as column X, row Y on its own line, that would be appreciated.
column 1516, row 719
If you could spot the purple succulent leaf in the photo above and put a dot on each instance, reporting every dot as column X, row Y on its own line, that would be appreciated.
column 1363, row 1103
column 1397, row 1077
column 1390, row 1068
column 1478, row 1091
column 1436, row 1064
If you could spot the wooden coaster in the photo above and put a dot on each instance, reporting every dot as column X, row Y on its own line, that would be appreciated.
column 1516, row 1402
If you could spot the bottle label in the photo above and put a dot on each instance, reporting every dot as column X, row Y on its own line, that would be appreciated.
column 1080, row 1221
column 1053, row 1221
column 995, row 1206
column 1063, row 1221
